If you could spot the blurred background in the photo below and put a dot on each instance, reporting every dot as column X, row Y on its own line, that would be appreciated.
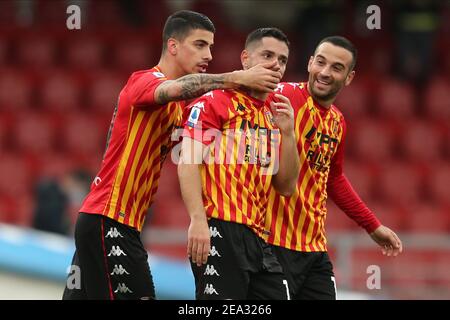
column 58, row 88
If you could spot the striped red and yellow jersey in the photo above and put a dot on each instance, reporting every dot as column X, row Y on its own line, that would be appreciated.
column 138, row 141
column 242, row 155
column 297, row 222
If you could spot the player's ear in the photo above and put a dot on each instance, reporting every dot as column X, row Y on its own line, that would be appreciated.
column 244, row 59
column 350, row 77
column 310, row 63
column 172, row 46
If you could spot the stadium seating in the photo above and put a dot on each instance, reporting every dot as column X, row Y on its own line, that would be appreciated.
column 438, row 182
column 421, row 141
column 16, row 89
column 427, row 218
column 134, row 53
column 33, row 132
column 395, row 100
column 85, row 52
column 60, row 92
column 38, row 51
column 103, row 91
column 390, row 215
column 354, row 101
column 336, row 220
column 372, row 139
column 437, row 99
column 16, row 179
column 361, row 177
column 82, row 135
column 400, row 183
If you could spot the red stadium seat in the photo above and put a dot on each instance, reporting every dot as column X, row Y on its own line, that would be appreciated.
column 354, row 101
column 400, row 183
column 82, row 135
column 438, row 183
column 50, row 13
column 34, row 133
column 103, row 91
column 336, row 220
column 168, row 208
column 8, row 12
column 85, row 52
column 361, row 178
column 225, row 56
column 427, row 218
column 4, row 48
column 437, row 99
column 60, row 92
column 390, row 215
column 15, row 175
column 421, row 141
column 395, row 100
column 3, row 133
column 373, row 140
column 37, row 51
column 168, row 183
column 16, row 211
column 15, row 90
column 106, row 13
column 54, row 165
column 134, row 54
column 169, row 213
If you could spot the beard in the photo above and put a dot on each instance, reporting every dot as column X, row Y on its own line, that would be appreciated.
column 331, row 93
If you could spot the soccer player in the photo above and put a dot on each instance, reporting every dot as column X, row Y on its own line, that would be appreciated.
column 226, row 196
column 109, row 252
column 296, row 223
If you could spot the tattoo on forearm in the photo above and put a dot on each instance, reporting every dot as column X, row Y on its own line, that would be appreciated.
column 163, row 95
column 191, row 86
column 195, row 85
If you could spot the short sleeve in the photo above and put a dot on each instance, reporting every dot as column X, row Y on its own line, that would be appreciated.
column 205, row 118
column 141, row 88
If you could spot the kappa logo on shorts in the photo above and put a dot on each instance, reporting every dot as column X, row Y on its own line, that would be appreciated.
column 122, row 288
column 213, row 252
column 209, row 289
column 116, row 251
column 211, row 271
column 113, row 233
column 214, row 233
column 119, row 270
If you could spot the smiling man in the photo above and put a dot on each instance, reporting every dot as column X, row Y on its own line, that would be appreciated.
column 297, row 223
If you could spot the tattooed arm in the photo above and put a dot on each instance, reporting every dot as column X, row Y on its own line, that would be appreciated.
column 259, row 77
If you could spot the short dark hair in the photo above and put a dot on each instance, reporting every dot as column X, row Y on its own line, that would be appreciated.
column 271, row 32
column 179, row 24
column 343, row 43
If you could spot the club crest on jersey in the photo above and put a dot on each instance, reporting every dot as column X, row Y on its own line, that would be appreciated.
column 335, row 125
column 195, row 113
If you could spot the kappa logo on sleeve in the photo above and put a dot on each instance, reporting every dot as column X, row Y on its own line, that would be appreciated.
column 195, row 113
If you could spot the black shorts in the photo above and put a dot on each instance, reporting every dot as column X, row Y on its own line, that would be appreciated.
column 240, row 266
column 310, row 274
column 110, row 262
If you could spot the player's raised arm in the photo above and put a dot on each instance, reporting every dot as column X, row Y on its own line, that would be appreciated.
column 259, row 77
